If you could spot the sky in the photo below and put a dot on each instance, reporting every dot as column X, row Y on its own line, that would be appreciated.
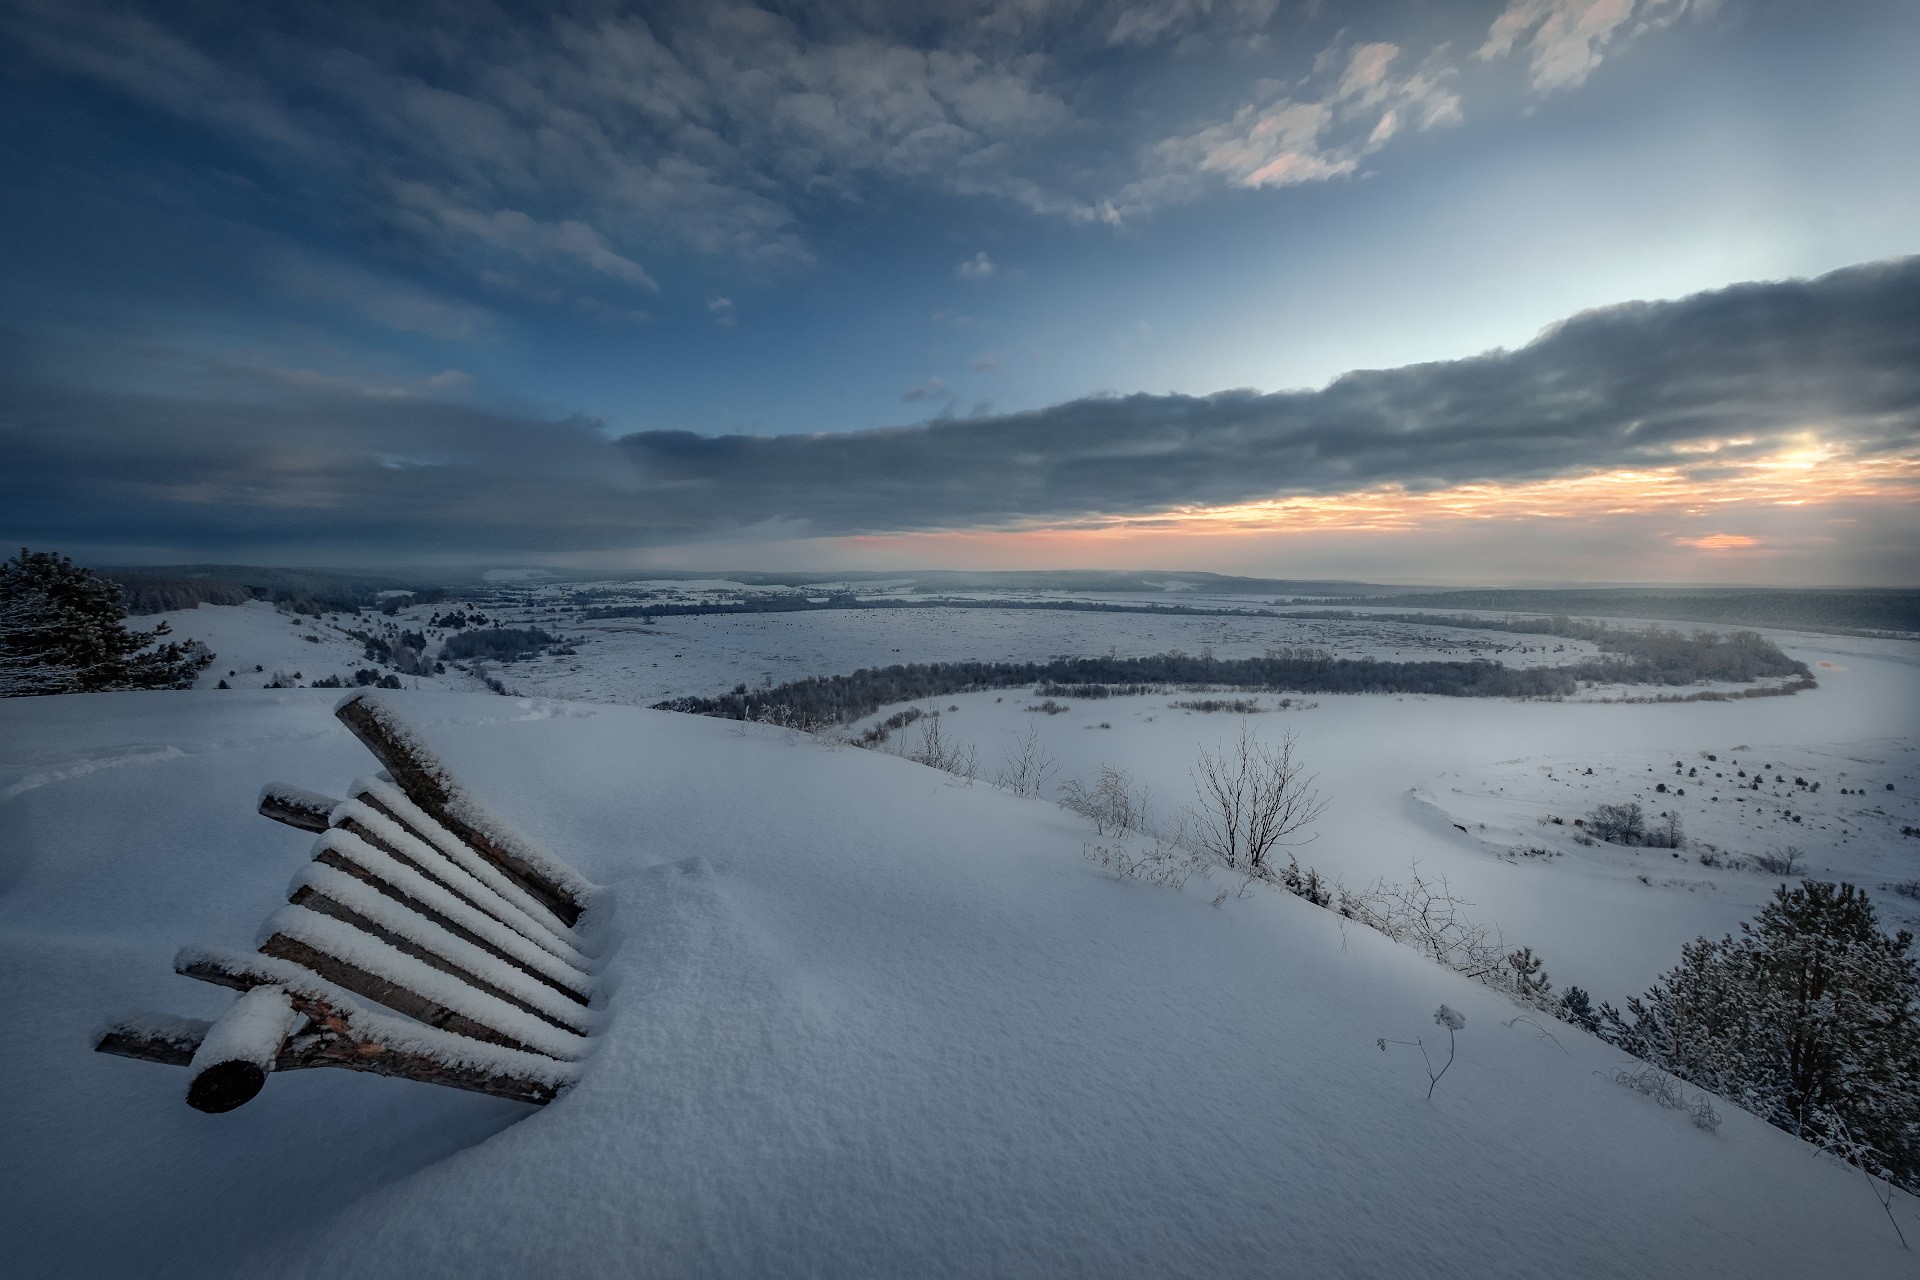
column 1479, row 291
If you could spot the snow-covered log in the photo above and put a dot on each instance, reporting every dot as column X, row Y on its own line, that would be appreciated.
column 386, row 819
column 347, row 852
column 231, row 1063
column 429, row 784
column 352, row 901
column 296, row 806
column 369, row 967
column 152, row 1037
column 341, row 1032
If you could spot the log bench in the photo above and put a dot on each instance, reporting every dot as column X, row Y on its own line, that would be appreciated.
column 426, row 939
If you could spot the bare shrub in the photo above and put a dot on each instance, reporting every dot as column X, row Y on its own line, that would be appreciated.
column 1161, row 860
column 1252, row 800
column 1617, row 823
column 1028, row 768
column 935, row 751
column 1427, row 915
column 1777, row 864
column 1666, row 1091
column 1114, row 803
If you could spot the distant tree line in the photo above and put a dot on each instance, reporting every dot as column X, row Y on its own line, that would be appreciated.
column 802, row 604
column 1805, row 609
column 500, row 644
column 1738, row 656
column 1669, row 659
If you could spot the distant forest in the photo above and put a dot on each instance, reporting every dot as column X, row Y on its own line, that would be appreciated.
column 308, row 591
column 1651, row 656
column 802, row 604
column 1806, row 609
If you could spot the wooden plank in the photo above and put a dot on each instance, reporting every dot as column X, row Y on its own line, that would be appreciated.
column 338, row 1039
column 296, row 806
column 346, row 865
column 429, row 784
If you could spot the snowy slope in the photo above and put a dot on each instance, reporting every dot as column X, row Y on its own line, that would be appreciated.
column 1401, row 772
column 863, row 1020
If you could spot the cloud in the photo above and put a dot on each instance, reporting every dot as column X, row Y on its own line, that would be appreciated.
column 985, row 362
column 1719, row 542
column 523, row 147
column 722, row 311
column 1564, row 39
column 1805, row 371
column 1291, row 140
column 931, row 389
column 978, row 267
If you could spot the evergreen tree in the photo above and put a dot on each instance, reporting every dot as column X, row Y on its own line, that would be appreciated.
column 62, row 631
column 1810, row 1018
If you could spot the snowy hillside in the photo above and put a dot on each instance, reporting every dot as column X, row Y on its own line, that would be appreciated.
column 859, row 1019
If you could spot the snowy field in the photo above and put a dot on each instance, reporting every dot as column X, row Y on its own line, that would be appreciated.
column 861, row 1019
column 635, row 663
column 1466, row 787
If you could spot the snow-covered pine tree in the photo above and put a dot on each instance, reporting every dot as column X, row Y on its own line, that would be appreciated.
column 62, row 631
column 1810, row 1019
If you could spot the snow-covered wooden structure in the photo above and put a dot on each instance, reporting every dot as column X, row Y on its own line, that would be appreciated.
column 427, row 939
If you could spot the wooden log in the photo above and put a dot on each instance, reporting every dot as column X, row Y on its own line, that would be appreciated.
column 296, row 806
column 428, row 783
column 386, row 819
column 392, row 878
column 230, row 1065
column 152, row 1037
column 340, row 1034
column 437, row 949
column 359, row 962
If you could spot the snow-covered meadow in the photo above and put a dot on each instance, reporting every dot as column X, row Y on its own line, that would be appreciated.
column 859, row 1018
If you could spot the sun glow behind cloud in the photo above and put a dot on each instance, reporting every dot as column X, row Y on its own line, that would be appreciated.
column 1699, row 521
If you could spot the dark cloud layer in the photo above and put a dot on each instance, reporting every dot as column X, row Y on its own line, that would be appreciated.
column 253, row 462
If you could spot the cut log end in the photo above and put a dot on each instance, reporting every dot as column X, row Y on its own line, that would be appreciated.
column 226, row 1085
column 296, row 806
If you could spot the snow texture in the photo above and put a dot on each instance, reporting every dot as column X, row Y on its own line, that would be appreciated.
column 352, row 848
column 251, row 1030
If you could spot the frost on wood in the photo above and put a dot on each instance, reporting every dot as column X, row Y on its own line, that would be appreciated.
column 419, row 772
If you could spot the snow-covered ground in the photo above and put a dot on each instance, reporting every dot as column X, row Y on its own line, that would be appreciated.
column 1403, row 776
column 864, row 1020
column 637, row 663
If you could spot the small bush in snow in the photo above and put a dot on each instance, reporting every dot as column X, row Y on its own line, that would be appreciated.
column 1453, row 1020
column 1666, row 1091
column 1114, row 803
